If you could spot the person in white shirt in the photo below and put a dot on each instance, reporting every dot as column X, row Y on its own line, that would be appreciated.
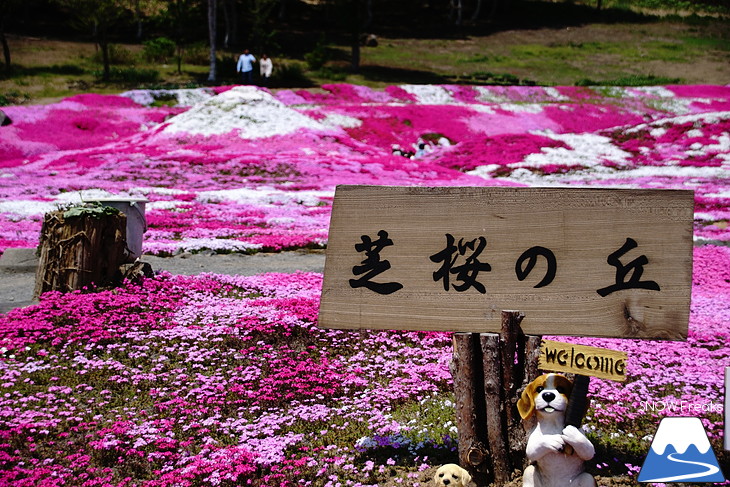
column 245, row 66
column 265, row 66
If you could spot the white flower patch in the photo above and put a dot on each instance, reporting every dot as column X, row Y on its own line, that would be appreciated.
column 183, row 97
column 78, row 197
column 655, row 91
column 26, row 208
column 336, row 120
column 147, row 190
column 264, row 195
column 430, row 94
column 488, row 109
column 486, row 95
column 252, row 112
column 588, row 150
column 705, row 118
column 197, row 244
column 555, row 94
column 521, row 107
column 162, row 205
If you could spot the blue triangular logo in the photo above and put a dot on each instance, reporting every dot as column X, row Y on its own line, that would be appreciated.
column 681, row 452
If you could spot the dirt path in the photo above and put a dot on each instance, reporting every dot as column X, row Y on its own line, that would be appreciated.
column 18, row 266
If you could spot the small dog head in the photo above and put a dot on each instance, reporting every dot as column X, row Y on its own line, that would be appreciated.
column 451, row 475
column 548, row 394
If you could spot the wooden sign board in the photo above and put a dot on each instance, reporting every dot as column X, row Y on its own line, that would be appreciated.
column 586, row 262
column 581, row 359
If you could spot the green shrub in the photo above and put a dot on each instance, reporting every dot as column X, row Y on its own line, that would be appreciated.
column 13, row 98
column 159, row 50
column 130, row 75
column 631, row 80
column 118, row 55
column 501, row 79
column 198, row 54
column 318, row 57
column 331, row 74
column 288, row 75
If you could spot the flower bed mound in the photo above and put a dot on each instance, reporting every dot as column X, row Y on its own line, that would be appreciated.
column 241, row 169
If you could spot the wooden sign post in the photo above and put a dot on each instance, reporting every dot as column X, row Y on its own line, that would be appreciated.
column 573, row 261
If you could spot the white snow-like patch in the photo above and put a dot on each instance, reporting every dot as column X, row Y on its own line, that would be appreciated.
column 26, row 208
column 264, row 195
column 430, row 94
column 182, row 97
column 660, row 124
column 252, row 112
column 338, row 120
column 587, row 150
column 521, row 107
column 487, row 95
column 196, row 244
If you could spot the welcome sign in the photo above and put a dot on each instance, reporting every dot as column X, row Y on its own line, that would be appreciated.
column 602, row 363
column 588, row 262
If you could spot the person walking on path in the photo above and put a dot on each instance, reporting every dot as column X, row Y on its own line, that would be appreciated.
column 245, row 66
column 265, row 66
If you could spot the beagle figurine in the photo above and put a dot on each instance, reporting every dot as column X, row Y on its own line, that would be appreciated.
column 547, row 398
column 451, row 475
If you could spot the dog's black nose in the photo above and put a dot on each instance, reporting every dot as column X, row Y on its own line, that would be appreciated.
column 447, row 482
column 548, row 396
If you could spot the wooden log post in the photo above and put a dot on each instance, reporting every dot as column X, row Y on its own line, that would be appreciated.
column 79, row 249
column 466, row 369
column 496, row 407
column 490, row 370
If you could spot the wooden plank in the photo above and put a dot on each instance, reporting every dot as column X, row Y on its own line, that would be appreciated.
column 451, row 259
column 584, row 360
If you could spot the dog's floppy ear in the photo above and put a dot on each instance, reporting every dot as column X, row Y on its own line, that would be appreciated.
column 465, row 477
column 526, row 404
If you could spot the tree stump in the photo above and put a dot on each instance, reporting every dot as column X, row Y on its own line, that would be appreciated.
column 80, row 247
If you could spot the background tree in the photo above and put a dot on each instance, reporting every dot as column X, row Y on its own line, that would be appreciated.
column 100, row 16
column 7, row 8
column 262, row 34
column 181, row 19
column 212, row 35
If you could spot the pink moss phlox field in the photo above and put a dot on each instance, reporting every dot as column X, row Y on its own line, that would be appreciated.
column 243, row 169
column 199, row 381
column 227, row 380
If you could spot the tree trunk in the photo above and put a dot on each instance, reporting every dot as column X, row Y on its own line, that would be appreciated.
column 227, row 22
column 138, row 20
column 212, row 17
column 355, row 29
column 104, row 46
column 4, row 41
column 6, row 50
column 80, row 251
column 477, row 11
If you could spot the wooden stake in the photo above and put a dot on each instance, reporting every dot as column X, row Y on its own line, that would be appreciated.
column 494, row 388
column 470, row 420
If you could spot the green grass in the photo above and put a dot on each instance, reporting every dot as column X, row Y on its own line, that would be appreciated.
column 588, row 48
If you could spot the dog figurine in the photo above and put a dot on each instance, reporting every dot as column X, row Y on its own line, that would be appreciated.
column 451, row 475
column 547, row 398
